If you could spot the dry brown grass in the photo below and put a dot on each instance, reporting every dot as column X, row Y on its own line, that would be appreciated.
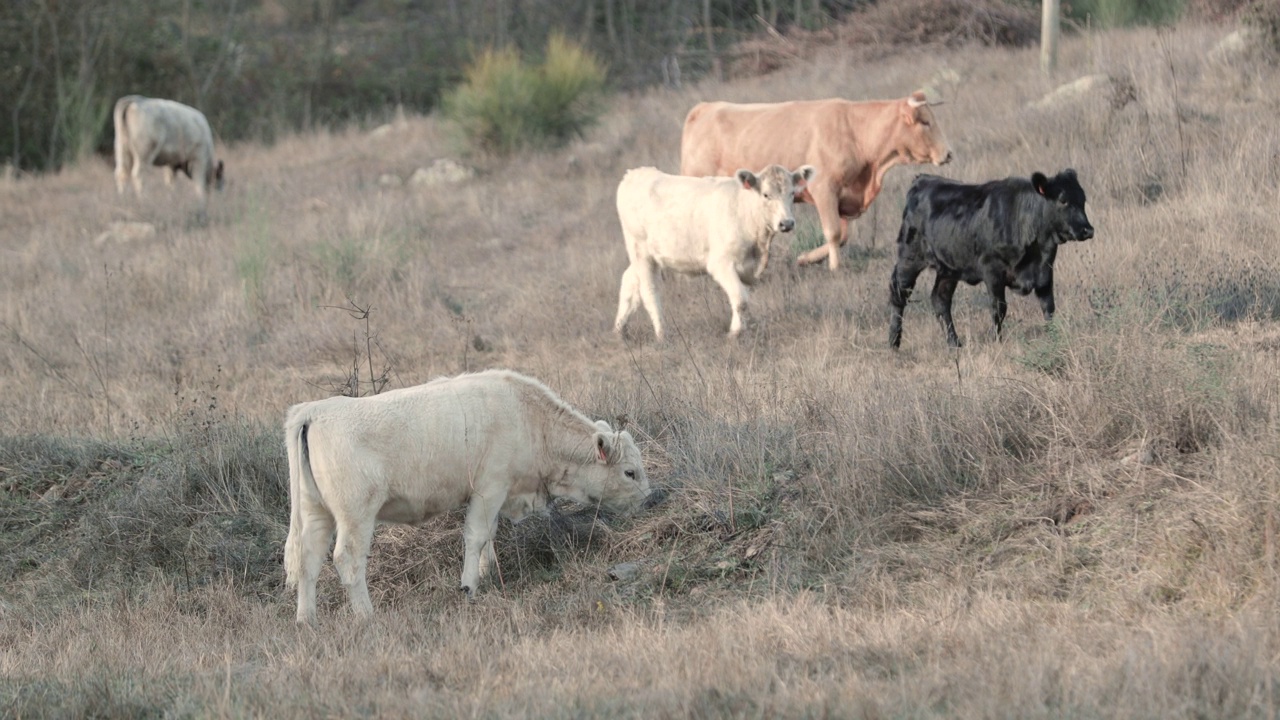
column 1078, row 521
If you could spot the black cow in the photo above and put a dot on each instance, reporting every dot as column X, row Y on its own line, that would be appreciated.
column 1004, row 233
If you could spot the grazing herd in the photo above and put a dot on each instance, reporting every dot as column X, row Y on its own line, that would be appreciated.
column 503, row 444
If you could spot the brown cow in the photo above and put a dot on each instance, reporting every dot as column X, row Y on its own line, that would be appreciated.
column 852, row 144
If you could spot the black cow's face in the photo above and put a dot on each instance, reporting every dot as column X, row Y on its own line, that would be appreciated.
column 1064, row 192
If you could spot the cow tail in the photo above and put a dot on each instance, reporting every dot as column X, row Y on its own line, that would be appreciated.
column 300, row 480
column 121, row 127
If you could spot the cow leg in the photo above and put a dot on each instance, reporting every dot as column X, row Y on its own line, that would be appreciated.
column 489, row 556
column 943, row 288
column 315, row 535
column 999, row 306
column 124, row 163
column 168, row 175
column 723, row 272
column 628, row 298
column 1044, row 293
column 137, row 176
column 901, row 282
column 834, row 228
column 351, row 557
column 764, row 259
column 647, row 277
column 482, row 520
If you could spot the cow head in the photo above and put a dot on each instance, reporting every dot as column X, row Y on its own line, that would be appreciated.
column 777, row 188
column 919, row 137
column 614, row 476
column 1066, row 209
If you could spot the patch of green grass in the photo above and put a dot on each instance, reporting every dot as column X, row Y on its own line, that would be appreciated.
column 254, row 256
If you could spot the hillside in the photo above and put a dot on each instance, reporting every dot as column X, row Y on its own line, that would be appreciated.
column 1077, row 521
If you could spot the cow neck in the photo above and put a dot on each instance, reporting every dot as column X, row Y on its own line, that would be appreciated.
column 875, row 120
column 566, row 434
column 568, row 439
column 751, row 215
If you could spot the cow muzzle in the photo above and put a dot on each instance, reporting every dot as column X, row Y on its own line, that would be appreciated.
column 786, row 225
column 946, row 158
column 1084, row 233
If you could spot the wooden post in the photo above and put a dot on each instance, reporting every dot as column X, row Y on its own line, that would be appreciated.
column 1049, row 37
column 716, row 70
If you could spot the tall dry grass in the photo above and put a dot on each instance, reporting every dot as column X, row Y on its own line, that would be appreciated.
column 1077, row 521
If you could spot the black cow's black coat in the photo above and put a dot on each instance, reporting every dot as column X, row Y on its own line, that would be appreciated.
column 1004, row 233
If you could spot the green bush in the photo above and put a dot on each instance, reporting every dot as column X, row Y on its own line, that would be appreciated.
column 1121, row 13
column 506, row 104
column 1264, row 17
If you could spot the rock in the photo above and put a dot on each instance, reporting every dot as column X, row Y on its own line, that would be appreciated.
column 1073, row 92
column 126, row 231
column 1145, row 454
column 1236, row 45
column 625, row 572
column 442, row 171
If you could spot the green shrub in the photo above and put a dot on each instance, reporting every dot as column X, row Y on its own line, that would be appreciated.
column 505, row 104
column 1121, row 13
column 1264, row 17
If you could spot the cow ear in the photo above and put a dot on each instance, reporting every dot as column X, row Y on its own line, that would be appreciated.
column 1040, row 183
column 604, row 447
column 748, row 179
column 801, row 177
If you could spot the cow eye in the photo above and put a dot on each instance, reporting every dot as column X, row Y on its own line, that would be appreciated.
column 631, row 474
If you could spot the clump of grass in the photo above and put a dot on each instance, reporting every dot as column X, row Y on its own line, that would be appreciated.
column 210, row 502
column 507, row 104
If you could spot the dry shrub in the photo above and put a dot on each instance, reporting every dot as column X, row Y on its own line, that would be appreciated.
column 1215, row 10
column 952, row 23
column 887, row 25
column 193, row 508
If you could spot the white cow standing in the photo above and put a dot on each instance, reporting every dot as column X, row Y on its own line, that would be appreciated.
column 496, row 441
column 720, row 226
column 165, row 133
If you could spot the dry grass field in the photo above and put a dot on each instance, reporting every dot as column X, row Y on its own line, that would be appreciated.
column 1078, row 521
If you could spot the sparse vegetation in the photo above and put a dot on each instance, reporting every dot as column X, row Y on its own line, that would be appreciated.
column 1078, row 521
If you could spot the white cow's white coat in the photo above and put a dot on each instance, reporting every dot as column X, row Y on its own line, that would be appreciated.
column 168, row 134
column 496, row 441
column 720, row 226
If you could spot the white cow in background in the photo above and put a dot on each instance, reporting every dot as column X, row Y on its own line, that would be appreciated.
column 153, row 131
column 496, row 441
column 720, row 226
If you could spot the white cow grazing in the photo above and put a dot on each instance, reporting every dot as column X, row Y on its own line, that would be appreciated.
column 721, row 226
column 496, row 441
column 152, row 131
